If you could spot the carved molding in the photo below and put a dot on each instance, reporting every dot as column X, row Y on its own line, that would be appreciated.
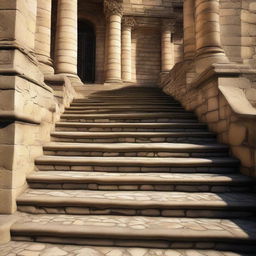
column 129, row 22
column 168, row 24
column 113, row 7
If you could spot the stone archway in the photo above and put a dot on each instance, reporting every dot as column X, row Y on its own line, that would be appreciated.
column 86, row 51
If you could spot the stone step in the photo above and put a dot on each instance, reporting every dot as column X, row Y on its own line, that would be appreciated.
column 125, row 103
column 149, row 107
column 130, row 231
column 138, row 203
column 47, row 249
column 136, row 164
column 196, row 182
column 130, row 117
column 136, row 149
column 131, row 137
column 120, row 110
column 118, row 127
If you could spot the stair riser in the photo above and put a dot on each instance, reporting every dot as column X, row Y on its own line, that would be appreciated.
column 176, row 139
column 195, row 243
column 135, row 153
column 102, row 186
column 136, row 169
column 204, row 212
column 124, row 110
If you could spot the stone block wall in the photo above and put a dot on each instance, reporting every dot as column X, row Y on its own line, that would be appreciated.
column 28, row 108
column 238, row 26
column 158, row 8
column 219, row 99
column 148, row 56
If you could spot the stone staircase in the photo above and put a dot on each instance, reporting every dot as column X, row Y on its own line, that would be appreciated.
column 132, row 168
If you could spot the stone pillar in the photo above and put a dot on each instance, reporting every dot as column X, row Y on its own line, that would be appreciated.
column 113, row 10
column 189, row 29
column 127, row 26
column 43, row 36
column 208, row 43
column 167, row 45
column 66, row 38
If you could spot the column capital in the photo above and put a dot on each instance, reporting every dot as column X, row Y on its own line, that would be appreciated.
column 129, row 22
column 168, row 24
column 113, row 7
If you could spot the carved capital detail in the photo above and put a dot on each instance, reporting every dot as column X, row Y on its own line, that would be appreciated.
column 113, row 7
column 129, row 22
column 168, row 24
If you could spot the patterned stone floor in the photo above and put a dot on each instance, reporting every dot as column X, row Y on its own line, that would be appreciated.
column 121, row 196
column 231, row 228
column 39, row 249
column 164, row 176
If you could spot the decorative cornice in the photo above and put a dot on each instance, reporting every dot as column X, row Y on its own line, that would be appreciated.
column 129, row 22
column 113, row 7
column 168, row 24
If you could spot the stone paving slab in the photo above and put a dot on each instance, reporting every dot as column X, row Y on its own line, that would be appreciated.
column 130, row 134
column 43, row 249
column 141, row 177
column 124, row 147
column 201, row 229
column 137, row 161
column 167, row 204
column 140, row 198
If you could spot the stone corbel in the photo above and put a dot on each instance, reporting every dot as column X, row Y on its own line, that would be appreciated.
column 113, row 7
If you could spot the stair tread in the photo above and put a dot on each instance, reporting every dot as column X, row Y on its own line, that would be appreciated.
column 124, row 134
column 138, row 199
column 123, row 227
column 134, row 161
column 130, row 124
column 137, row 178
column 76, row 250
column 177, row 147
column 129, row 115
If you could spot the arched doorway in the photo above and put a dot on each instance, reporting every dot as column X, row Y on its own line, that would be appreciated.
column 86, row 51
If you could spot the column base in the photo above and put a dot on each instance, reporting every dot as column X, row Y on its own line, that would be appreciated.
column 205, row 60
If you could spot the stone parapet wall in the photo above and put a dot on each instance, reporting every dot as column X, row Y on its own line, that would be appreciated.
column 218, row 97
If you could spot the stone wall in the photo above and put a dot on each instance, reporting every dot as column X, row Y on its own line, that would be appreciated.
column 218, row 97
column 238, row 26
column 28, row 108
column 148, row 60
column 158, row 8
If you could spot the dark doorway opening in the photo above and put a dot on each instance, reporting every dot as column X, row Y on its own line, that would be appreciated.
column 86, row 51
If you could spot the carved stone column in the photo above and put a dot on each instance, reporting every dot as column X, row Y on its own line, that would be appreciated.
column 127, row 26
column 208, row 43
column 189, row 30
column 43, row 36
column 114, row 12
column 167, row 45
column 66, row 38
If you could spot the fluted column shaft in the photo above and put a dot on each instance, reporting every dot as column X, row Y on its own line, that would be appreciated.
column 113, row 11
column 208, row 42
column 66, row 38
column 167, row 46
column 189, row 29
column 127, row 26
column 43, row 36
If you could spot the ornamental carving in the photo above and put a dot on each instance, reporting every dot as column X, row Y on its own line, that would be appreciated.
column 113, row 7
column 168, row 25
column 129, row 22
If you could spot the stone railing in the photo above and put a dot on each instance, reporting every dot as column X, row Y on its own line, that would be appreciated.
column 218, row 97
